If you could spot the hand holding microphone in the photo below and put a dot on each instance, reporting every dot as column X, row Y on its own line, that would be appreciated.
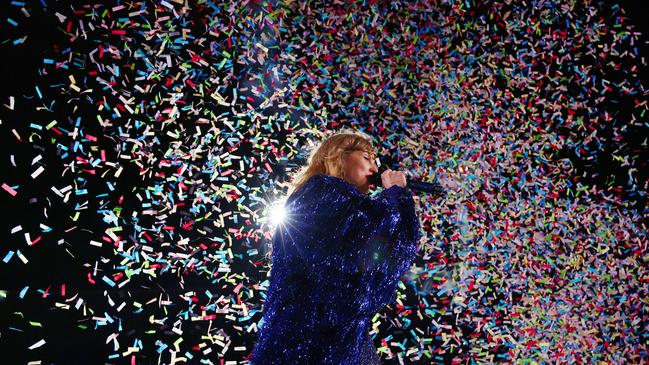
column 390, row 178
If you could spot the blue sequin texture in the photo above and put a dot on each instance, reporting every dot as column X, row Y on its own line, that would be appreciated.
column 336, row 262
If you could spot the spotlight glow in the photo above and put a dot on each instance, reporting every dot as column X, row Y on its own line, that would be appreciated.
column 277, row 213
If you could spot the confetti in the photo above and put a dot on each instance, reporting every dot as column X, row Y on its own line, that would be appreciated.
column 162, row 134
column 9, row 189
column 37, row 344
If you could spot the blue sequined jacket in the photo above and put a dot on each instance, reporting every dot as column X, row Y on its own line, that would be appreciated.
column 337, row 259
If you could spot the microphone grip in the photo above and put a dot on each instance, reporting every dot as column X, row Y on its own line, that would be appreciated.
column 418, row 186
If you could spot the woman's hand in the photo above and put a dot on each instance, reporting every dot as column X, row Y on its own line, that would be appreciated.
column 390, row 178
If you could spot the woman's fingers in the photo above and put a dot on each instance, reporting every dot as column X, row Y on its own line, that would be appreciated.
column 391, row 177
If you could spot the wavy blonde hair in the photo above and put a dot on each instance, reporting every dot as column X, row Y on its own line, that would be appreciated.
column 327, row 157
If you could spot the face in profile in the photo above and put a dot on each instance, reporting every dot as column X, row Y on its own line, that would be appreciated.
column 358, row 167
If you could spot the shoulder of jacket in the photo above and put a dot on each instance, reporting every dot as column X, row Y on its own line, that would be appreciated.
column 340, row 185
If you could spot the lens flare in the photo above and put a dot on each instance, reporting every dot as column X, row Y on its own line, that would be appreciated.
column 277, row 213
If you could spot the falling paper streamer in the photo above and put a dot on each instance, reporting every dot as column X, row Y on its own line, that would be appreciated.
column 150, row 144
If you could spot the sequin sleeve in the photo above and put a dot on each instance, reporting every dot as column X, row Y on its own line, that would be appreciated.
column 388, row 244
column 369, row 242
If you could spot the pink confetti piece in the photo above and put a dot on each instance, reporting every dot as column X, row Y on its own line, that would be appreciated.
column 8, row 189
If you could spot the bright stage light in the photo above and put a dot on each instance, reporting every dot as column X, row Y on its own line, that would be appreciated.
column 277, row 213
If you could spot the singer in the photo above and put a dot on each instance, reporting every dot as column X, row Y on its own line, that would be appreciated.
column 337, row 259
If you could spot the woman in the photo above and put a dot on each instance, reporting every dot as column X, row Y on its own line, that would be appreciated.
column 337, row 258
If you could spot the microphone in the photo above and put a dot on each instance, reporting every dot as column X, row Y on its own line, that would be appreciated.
column 433, row 188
